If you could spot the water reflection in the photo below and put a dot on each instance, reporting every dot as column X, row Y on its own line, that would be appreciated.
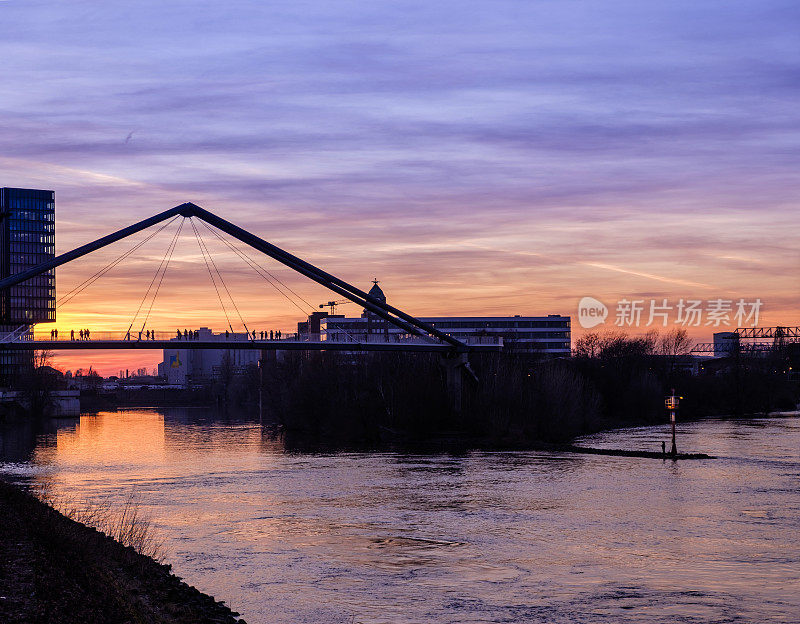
column 19, row 440
column 469, row 537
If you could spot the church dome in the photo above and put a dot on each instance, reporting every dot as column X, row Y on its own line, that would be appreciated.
column 376, row 291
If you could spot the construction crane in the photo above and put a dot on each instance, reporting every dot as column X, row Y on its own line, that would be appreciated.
column 332, row 304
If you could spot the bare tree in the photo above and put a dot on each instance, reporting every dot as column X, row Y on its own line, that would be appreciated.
column 38, row 382
column 588, row 345
column 673, row 345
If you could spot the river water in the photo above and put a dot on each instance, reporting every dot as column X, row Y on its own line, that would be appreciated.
column 438, row 538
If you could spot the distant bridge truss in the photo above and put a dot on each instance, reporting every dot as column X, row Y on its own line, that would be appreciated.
column 751, row 340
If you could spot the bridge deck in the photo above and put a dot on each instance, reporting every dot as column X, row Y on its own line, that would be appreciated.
column 269, row 345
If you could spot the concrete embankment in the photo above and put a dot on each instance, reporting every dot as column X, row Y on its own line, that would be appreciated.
column 56, row 570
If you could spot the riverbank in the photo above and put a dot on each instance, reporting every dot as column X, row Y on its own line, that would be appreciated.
column 53, row 569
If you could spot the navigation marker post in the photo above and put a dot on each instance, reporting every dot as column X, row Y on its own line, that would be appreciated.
column 672, row 402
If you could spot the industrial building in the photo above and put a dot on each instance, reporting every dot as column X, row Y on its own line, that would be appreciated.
column 184, row 367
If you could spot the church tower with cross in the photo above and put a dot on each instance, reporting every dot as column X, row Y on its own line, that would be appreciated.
column 375, row 324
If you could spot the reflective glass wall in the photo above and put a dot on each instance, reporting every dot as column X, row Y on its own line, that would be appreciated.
column 27, row 238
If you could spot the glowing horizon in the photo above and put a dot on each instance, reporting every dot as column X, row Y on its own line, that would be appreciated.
column 188, row 266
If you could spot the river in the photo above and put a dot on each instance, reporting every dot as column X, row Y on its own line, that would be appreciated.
column 441, row 538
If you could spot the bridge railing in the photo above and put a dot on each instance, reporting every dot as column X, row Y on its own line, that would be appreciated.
column 21, row 333
column 77, row 335
column 44, row 335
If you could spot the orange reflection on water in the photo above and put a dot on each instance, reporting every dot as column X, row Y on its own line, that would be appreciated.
column 117, row 437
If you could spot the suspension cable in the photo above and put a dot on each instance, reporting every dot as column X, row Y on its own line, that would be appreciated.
column 211, row 274
column 152, row 281
column 163, row 273
column 260, row 271
column 66, row 298
column 222, row 280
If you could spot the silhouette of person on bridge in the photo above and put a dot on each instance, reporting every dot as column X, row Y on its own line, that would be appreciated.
column 72, row 334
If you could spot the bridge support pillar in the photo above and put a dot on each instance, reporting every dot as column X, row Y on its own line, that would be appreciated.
column 455, row 366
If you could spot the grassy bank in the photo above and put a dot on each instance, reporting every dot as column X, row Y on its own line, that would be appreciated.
column 56, row 570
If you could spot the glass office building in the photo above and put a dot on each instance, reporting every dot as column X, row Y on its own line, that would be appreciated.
column 27, row 238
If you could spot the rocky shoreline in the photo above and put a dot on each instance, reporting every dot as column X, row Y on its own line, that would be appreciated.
column 54, row 570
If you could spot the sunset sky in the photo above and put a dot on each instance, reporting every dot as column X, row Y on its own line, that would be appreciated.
column 478, row 158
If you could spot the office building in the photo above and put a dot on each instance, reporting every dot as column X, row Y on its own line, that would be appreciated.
column 27, row 238
column 544, row 336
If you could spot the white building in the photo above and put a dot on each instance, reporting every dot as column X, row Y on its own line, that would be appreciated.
column 535, row 335
column 183, row 366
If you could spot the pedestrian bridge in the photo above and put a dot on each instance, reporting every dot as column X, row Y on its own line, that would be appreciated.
column 417, row 335
column 170, row 340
